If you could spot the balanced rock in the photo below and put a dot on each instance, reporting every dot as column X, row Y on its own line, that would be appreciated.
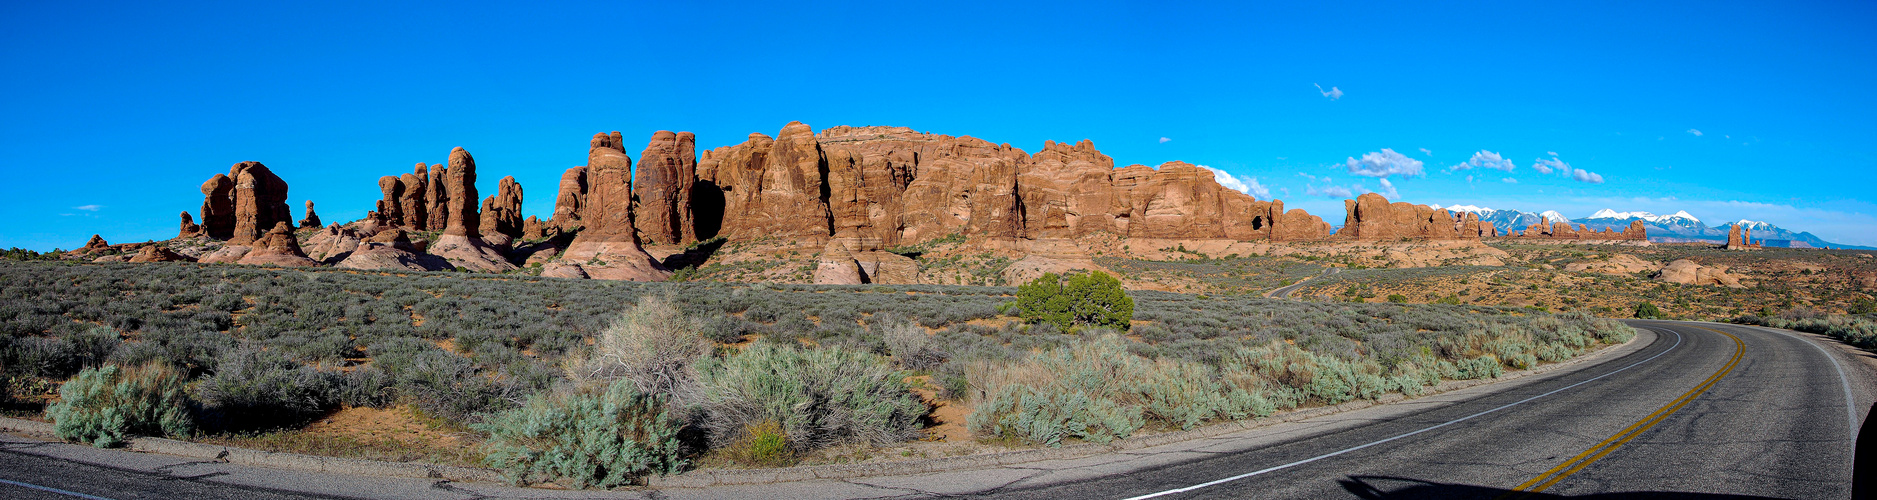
column 278, row 248
column 312, row 219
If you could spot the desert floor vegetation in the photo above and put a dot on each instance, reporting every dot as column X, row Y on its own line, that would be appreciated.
column 598, row 384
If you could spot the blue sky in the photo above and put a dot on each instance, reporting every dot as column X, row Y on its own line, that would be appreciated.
column 115, row 113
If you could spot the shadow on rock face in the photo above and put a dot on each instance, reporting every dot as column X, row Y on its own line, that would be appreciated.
column 1394, row 488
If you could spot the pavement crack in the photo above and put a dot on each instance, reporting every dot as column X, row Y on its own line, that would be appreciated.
column 446, row 486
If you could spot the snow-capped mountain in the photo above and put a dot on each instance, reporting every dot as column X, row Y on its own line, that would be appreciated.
column 1679, row 217
column 1506, row 221
column 1678, row 226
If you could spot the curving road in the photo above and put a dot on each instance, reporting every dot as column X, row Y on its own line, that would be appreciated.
column 1283, row 292
column 1693, row 414
column 1691, row 410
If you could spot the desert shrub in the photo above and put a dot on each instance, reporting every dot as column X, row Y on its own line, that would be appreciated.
column 910, row 345
column 1078, row 299
column 653, row 344
column 1099, row 391
column 105, row 407
column 820, row 396
column 594, row 438
column 1647, row 310
column 440, row 383
column 254, row 389
column 763, row 444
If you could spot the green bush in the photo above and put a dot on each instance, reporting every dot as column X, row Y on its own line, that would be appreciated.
column 105, row 407
column 820, row 396
column 1397, row 298
column 1647, row 310
column 584, row 439
column 1078, row 299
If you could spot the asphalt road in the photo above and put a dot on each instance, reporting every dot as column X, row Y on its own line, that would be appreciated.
column 1689, row 413
column 1773, row 424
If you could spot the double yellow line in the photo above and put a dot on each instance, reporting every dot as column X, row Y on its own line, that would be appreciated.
column 1577, row 463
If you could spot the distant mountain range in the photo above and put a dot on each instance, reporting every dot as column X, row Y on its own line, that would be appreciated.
column 1676, row 227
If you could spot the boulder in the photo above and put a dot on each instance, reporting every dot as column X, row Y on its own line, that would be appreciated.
column 836, row 266
column 278, row 248
column 563, row 270
column 1688, row 272
column 311, row 220
column 158, row 253
column 229, row 254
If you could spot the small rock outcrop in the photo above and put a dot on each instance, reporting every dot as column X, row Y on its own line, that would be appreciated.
column 278, row 247
column 392, row 250
column 95, row 244
column 188, row 228
column 312, row 219
column 836, row 266
column 501, row 212
column 1688, row 272
column 567, row 202
column 158, row 253
column 1740, row 238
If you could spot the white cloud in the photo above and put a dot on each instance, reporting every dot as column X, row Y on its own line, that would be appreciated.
column 1485, row 159
column 1164, row 140
column 1330, row 192
column 1509, row 180
column 1697, row 133
column 1388, row 190
column 1426, row 152
column 1333, row 93
column 1248, row 185
column 1549, row 165
column 1552, row 153
column 1469, row 179
column 1384, row 164
column 88, row 208
column 1584, row 175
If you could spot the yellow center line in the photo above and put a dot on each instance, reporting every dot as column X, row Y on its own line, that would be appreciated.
column 1577, row 463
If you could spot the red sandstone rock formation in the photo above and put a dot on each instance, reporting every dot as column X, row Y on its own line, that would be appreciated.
column 312, row 219
column 95, row 244
column 460, row 181
column 437, row 198
column 608, row 246
column 158, row 253
column 1372, row 218
column 218, row 207
column 501, row 212
column 667, row 170
column 533, row 229
column 277, row 247
column 415, row 202
column 390, row 208
column 260, row 201
column 572, row 196
column 392, row 249
column 1740, row 238
column 188, row 229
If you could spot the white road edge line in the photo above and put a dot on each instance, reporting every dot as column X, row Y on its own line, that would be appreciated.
column 53, row 490
column 1678, row 339
column 1850, row 402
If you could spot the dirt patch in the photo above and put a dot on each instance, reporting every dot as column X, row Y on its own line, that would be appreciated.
column 382, row 424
